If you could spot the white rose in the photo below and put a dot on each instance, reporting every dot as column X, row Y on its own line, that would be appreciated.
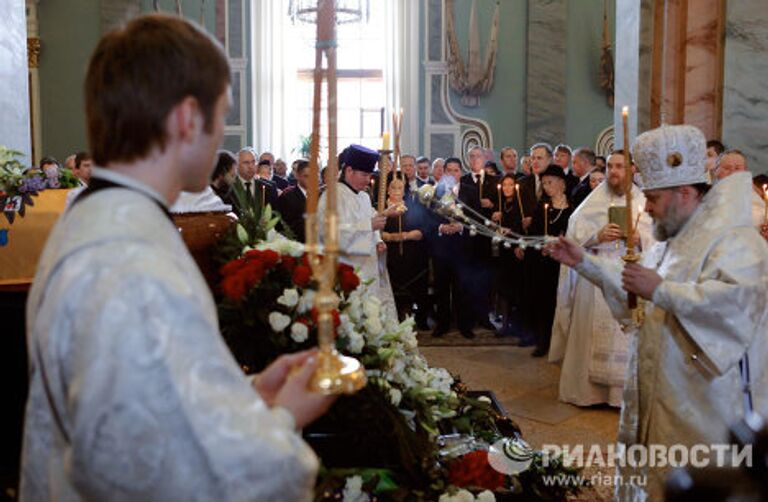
column 460, row 496
column 299, row 332
column 306, row 302
column 278, row 322
column 486, row 496
column 289, row 298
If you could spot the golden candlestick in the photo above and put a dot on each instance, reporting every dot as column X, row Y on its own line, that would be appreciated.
column 335, row 374
column 383, row 174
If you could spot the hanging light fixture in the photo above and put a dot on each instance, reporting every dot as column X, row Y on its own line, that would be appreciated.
column 347, row 11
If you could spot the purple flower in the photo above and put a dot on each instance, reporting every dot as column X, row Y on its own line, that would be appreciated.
column 32, row 184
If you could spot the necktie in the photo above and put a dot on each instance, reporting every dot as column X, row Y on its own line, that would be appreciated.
column 248, row 186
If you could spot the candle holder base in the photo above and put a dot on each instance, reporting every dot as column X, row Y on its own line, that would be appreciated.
column 337, row 374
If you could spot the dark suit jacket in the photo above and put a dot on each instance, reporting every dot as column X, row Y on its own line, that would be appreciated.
column 580, row 192
column 280, row 182
column 470, row 194
column 270, row 193
column 528, row 194
column 571, row 180
column 292, row 205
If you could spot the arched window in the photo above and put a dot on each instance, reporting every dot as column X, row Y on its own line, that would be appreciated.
column 371, row 66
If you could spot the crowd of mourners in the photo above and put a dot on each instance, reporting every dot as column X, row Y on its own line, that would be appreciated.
column 439, row 272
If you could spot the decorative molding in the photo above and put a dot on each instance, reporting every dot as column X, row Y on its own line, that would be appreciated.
column 604, row 142
column 33, row 52
column 466, row 131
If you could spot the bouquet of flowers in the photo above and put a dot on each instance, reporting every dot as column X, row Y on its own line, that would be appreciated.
column 18, row 184
column 400, row 432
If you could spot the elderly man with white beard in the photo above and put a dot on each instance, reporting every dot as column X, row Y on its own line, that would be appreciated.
column 703, row 292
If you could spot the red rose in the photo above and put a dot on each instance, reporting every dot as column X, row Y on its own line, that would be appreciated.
column 252, row 273
column 474, row 470
column 233, row 287
column 253, row 254
column 343, row 267
column 349, row 281
column 288, row 263
column 232, row 267
column 302, row 275
column 270, row 258
column 305, row 259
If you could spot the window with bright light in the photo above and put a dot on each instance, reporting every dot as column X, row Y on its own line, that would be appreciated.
column 364, row 73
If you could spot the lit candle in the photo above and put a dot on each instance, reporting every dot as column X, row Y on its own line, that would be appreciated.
column 263, row 195
column 385, row 141
column 765, row 198
column 519, row 202
column 546, row 218
column 498, row 188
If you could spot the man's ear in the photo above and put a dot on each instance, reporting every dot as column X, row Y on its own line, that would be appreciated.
column 186, row 120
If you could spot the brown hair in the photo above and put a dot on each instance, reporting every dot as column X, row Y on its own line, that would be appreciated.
column 138, row 73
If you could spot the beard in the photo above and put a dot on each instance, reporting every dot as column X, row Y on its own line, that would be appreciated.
column 667, row 227
column 617, row 190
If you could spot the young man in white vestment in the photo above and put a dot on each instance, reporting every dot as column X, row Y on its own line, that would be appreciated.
column 360, row 242
column 133, row 393
column 703, row 291
column 592, row 345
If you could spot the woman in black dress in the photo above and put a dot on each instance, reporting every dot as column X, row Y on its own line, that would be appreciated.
column 406, row 254
column 510, row 267
column 550, row 218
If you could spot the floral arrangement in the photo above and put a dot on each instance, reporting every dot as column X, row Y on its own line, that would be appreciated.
column 18, row 184
column 424, row 435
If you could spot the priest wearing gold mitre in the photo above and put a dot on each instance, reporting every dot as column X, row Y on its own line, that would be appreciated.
column 360, row 242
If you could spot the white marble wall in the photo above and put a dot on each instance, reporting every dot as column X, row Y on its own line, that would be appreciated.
column 546, row 80
column 745, row 95
column 14, row 90
column 627, row 67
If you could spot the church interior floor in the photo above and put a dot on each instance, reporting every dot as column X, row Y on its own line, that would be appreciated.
column 527, row 389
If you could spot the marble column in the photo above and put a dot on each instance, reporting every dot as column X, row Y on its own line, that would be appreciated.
column 546, row 79
column 627, row 78
column 14, row 78
column 745, row 101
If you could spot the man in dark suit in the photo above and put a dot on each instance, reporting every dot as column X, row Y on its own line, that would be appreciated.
column 479, row 191
column 261, row 190
column 563, row 155
column 292, row 203
column 530, row 186
column 224, row 175
column 447, row 246
column 583, row 164
column 422, row 172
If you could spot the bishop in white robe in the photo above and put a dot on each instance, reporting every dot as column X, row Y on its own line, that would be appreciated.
column 705, row 319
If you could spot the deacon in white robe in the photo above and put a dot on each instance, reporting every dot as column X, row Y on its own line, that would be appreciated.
column 133, row 393
column 360, row 242
column 707, row 287
column 592, row 345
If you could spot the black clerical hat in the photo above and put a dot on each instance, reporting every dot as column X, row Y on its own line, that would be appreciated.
column 359, row 158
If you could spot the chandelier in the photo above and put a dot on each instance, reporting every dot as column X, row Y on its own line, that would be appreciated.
column 347, row 11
